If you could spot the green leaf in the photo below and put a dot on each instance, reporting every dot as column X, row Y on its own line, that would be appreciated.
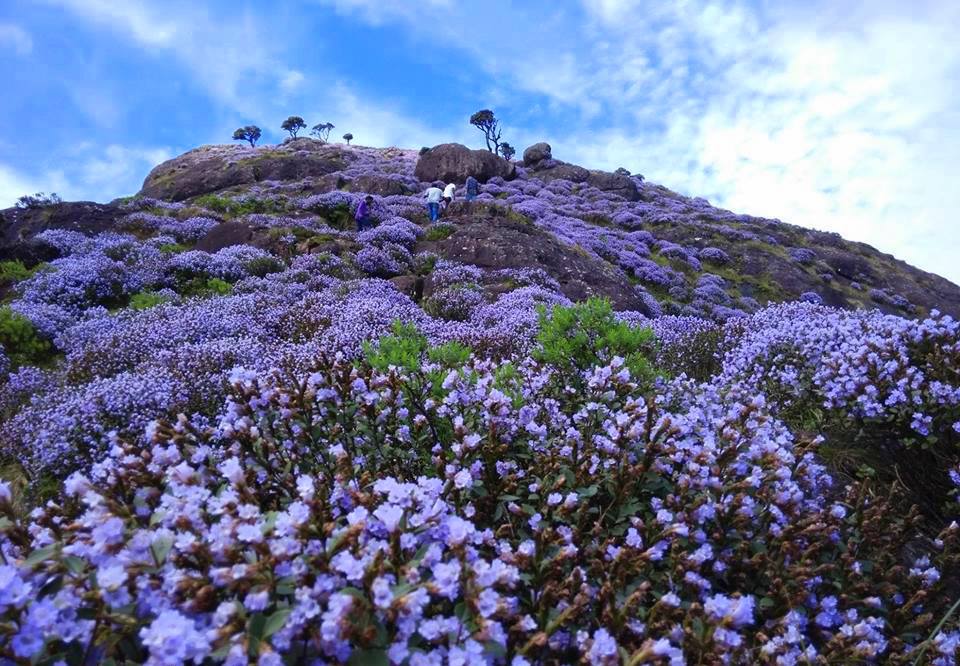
column 75, row 564
column 401, row 589
column 161, row 548
column 41, row 555
column 255, row 627
column 276, row 621
column 354, row 592
column 285, row 586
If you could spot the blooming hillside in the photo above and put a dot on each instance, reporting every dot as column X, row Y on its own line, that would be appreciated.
column 580, row 419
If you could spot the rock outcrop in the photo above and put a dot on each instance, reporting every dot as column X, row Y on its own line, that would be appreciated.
column 212, row 168
column 537, row 153
column 453, row 162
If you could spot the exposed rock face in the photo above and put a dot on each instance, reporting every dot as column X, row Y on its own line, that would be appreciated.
column 553, row 170
column 615, row 183
column 378, row 185
column 453, row 162
column 225, row 235
column 212, row 168
column 537, row 153
column 19, row 226
column 495, row 242
column 548, row 169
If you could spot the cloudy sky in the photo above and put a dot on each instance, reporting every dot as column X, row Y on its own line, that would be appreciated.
column 839, row 115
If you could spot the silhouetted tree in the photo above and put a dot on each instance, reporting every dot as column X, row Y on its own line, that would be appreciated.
column 424, row 150
column 322, row 131
column 293, row 124
column 348, row 138
column 249, row 133
column 486, row 122
column 38, row 200
column 507, row 151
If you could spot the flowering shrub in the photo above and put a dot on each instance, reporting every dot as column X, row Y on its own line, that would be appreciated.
column 714, row 255
column 277, row 456
column 803, row 255
column 423, row 511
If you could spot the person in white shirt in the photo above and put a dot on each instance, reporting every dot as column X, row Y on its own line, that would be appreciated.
column 433, row 195
column 448, row 194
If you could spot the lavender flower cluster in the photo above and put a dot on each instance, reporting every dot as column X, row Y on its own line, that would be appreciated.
column 350, row 514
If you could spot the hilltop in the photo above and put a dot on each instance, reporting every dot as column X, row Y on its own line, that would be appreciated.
column 637, row 243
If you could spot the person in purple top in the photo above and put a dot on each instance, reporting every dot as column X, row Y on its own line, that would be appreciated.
column 362, row 215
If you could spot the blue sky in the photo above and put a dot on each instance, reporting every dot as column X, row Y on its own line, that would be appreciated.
column 841, row 116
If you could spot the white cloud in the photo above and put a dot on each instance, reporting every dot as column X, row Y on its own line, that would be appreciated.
column 14, row 185
column 88, row 173
column 291, row 81
column 839, row 116
column 224, row 53
column 845, row 123
column 379, row 124
column 378, row 12
column 118, row 170
column 16, row 38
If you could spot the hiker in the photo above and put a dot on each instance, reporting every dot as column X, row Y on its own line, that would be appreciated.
column 473, row 188
column 434, row 194
column 448, row 195
column 362, row 215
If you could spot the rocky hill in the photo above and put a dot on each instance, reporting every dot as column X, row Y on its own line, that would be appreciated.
column 642, row 245
column 235, row 430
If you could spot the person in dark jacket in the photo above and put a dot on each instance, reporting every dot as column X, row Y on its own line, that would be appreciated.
column 473, row 188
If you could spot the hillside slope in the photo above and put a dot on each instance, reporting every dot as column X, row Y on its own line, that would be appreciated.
column 629, row 240
column 235, row 430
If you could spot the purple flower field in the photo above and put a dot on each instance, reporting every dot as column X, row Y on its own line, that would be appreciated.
column 236, row 454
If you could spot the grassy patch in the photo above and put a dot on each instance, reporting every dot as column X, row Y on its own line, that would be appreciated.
column 147, row 299
column 20, row 340
column 234, row 208
column 173, row 248
column 14, row 271
column 200, row 286
column 438, row 232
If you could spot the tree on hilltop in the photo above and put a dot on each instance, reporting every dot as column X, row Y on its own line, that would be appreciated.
column 249, row 133
column 507, row 151
column 348, row 138
column 293, row 124
column 322, row 131
column 38, row 200
column 486, row 122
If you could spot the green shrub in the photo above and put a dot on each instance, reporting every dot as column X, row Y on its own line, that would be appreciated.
column 264, row 266
column 173, row 248
column 13, row 271
column 579, row 337
column 236, row 208
column 200, row 286
column 20, row 340
column 404, row 348
column 340, row 218
column 438, row 232
column 450, row 355
column 147, row 299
